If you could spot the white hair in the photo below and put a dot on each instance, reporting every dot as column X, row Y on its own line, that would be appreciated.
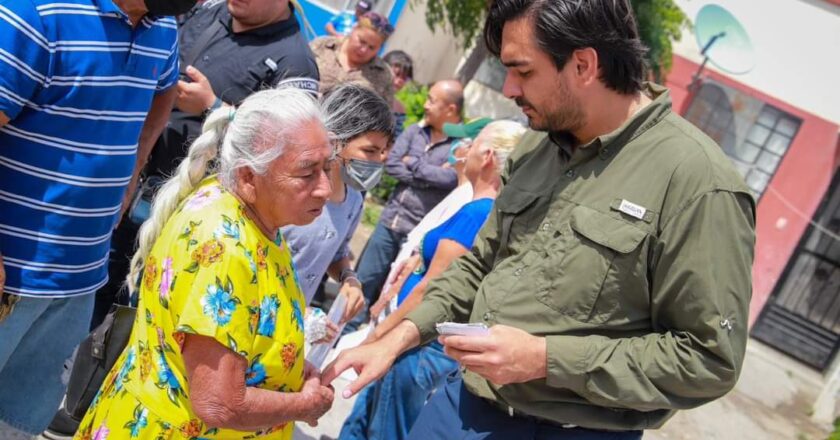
column 252, row 136
column 503, row 137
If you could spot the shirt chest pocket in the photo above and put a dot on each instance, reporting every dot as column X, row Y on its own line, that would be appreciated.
column 519, row 214
column 591, row 263
column 262, row 74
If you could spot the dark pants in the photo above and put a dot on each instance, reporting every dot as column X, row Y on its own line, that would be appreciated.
column 122, row 249
column 374, row 264
column 455, row 413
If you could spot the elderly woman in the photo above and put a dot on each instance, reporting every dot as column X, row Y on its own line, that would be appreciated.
column 388, row 407
column 352, row 59
column 360, row 124
column 216, row 349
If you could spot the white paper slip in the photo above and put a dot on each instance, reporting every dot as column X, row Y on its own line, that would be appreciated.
column 456, row 328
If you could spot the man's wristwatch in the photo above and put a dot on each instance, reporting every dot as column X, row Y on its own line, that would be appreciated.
column 346, row 274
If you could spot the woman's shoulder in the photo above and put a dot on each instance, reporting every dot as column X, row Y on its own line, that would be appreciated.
column 475, row 209
column 324, row 43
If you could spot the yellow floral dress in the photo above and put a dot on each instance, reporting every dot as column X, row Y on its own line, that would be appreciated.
column 211, row 272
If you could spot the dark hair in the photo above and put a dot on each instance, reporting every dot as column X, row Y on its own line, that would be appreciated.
column 352, row 110
column 563, row 26
column 401, row 61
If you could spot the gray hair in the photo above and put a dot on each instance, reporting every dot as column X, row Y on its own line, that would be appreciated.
column 352, row 110
column 252, row 136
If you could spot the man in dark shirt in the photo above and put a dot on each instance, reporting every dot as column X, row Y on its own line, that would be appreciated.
column 228, row 51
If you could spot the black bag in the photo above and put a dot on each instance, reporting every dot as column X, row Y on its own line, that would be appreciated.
column 95, row 358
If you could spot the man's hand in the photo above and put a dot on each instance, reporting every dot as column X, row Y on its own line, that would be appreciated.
column 197, row 96
column 370, row 362
column 318, row 398
column 352, row 291
column 507, row 355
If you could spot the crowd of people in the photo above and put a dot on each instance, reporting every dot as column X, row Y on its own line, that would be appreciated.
column 209, row 166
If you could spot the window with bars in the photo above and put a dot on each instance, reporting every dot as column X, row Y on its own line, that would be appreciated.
column 754, row 134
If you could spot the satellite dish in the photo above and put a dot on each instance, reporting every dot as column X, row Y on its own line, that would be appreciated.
column 723, row 40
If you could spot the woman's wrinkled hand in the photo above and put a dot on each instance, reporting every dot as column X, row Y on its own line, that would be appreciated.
column 318, row 398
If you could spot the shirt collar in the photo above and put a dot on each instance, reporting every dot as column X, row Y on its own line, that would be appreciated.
column 283, row 27
column 610, row 143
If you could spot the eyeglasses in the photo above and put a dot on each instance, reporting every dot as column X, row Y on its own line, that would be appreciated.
column 377, row 22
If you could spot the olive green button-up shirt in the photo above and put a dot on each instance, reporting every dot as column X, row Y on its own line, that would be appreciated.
column 632, row 257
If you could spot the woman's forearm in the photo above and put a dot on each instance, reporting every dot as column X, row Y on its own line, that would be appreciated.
column 410, row 303
column 220, row 398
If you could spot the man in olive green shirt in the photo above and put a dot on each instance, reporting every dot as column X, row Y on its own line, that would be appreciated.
column 614, row 271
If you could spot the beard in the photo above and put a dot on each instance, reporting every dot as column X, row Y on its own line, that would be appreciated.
column 562, row 112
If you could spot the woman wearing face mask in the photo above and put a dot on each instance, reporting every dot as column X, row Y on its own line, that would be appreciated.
column 360, row 124
column 352, row 59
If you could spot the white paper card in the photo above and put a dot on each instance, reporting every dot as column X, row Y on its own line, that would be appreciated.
column 455, row 328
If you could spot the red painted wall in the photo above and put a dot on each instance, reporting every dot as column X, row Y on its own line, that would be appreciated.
column 795, row 191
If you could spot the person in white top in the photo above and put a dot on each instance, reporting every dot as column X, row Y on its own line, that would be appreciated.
column 442, row 211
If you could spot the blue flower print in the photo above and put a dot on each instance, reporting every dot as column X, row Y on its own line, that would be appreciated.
column 140, row 420
column 167, row 379
column 229, row 228
column 268, row 316
column 297, row 314
column 255, row 374
column 219, row 302
column 127, row 367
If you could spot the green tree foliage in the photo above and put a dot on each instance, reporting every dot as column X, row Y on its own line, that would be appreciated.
column 659, row 21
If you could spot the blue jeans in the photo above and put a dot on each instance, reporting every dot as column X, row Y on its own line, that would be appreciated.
column 387, row 408
column 35, row 340
column 374, row 264
column 455, row 413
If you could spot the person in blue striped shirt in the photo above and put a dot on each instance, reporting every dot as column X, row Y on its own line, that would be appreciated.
column 86, row 87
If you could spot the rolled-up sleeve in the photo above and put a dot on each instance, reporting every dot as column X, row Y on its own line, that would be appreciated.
column 700, row 292
column 24, row 55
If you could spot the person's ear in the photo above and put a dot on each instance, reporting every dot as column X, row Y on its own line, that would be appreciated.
column 584, row 65
column 453, row 109
column 489, row 158
column 246, row 184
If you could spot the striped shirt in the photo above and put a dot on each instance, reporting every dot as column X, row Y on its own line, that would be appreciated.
column 76, row 81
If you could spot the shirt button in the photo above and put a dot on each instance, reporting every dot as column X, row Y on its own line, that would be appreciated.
column 518, row 272
column 570, row 174
column 488, row 316
column 205, row 58
column 546, row 226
